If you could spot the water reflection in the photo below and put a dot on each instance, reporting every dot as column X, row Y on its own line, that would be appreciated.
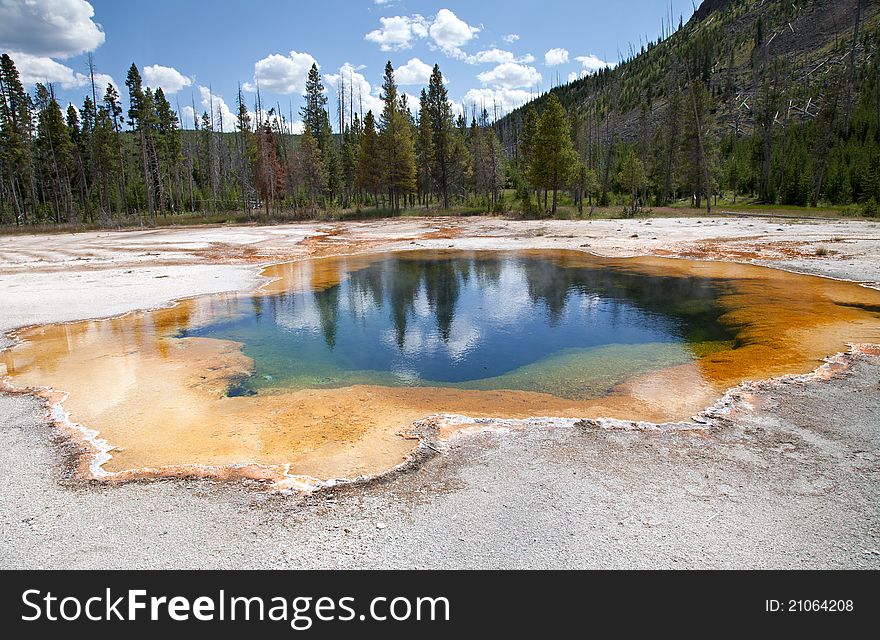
column 457, row 318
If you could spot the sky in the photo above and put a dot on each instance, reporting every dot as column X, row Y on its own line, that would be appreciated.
column 495, row 54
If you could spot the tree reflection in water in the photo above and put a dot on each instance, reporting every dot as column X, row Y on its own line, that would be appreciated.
column 453, row 318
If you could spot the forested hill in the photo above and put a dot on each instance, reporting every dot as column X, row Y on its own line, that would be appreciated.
column 772, row 73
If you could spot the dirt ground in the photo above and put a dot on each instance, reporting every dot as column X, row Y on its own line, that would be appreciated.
column 790, row 479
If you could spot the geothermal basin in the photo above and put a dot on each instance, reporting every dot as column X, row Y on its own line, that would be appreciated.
column 335, row 367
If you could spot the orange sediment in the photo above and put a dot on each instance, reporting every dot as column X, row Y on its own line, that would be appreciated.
column 160, row 402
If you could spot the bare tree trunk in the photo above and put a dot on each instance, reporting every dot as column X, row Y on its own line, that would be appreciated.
column 94, row 162
column 825, row 139
column 608, row 149
column 852, row 70
column 148, row 185
column 705, row 160
column 119, row 149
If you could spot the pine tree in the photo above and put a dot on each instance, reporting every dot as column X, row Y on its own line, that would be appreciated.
column 330, row 155
column 552, row 154
column 396, row 145
column 114, row 113
column 442, row 126
column 247, row 152
column 527, row 140
column 461, row 169
column 169, row 146
column 55, row 152
column 425, row 150
column 314, row 109
column 15, row 122
column 15, row 166
column 369, row 166
column 585, row 183
column 488, row 171
column 316, row 119
column 150, row 126
column 105, row 153
column 632, row 178
column 138, row 119
column 312, row 169
column 80, row 137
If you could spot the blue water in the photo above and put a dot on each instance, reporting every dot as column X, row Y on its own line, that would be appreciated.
column 472, row 320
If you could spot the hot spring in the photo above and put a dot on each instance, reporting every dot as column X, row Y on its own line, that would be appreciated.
column 322, row 372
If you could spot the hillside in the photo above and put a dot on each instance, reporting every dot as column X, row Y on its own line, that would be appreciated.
column 768, row 66
column 811, row 38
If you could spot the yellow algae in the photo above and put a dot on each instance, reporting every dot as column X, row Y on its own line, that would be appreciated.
column 160, row 401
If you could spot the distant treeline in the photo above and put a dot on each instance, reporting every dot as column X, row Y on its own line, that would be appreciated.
column 753, row 127
column 102, row 164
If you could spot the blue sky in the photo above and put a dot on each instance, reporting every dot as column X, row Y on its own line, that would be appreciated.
column 490, row 51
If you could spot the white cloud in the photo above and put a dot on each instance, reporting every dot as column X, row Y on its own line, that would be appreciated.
column 593, row 63
column 497, row 56
column 357, row 88
column 282, row 74
column 398, row 32
column 187, row 116
column 446, row 30
column 555, row 57
column 365, row 96
column 413, row 72
column 49, row 28
column 34, row 69
column 510, row 38
column 101, row 82
column 33, row 32
column 222, row 113
column 504, row 100
column 169, row 78
column 450, row 33
column 510, row 75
